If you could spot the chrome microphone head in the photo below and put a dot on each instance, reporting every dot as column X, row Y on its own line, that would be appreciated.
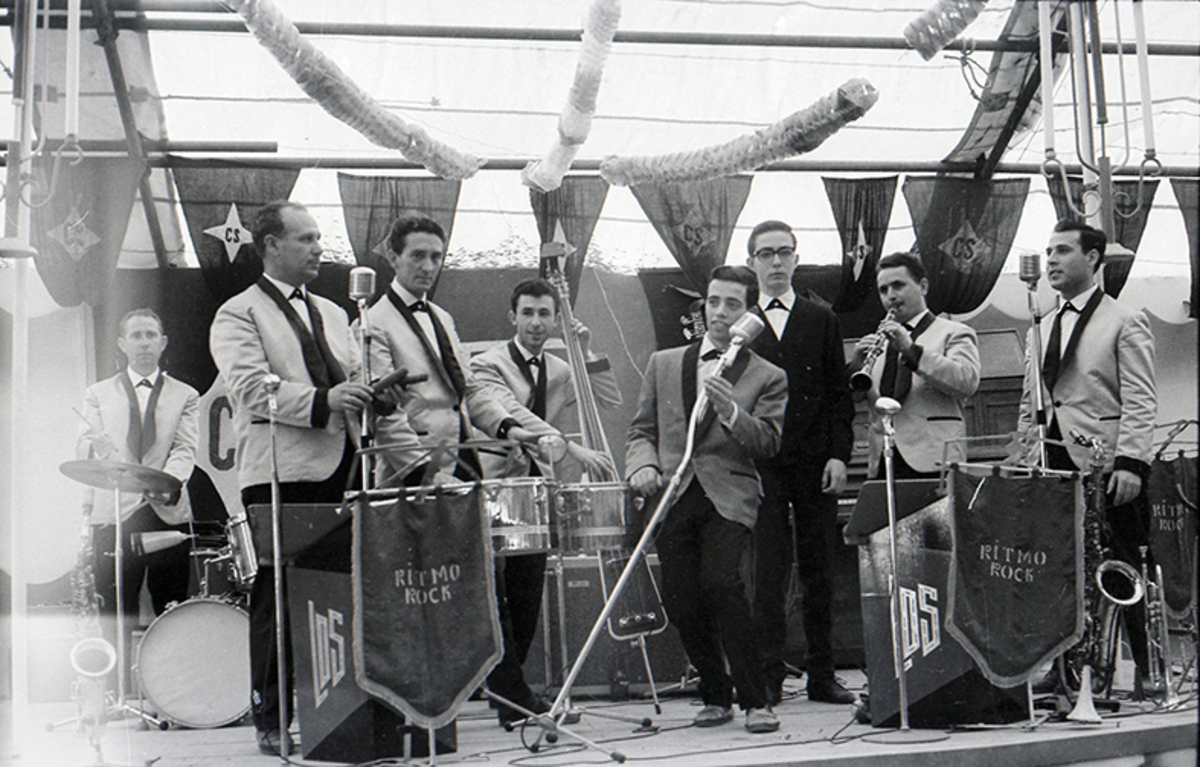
column 887, row 406
column 1031, row 268
column 362, row 283
column 746, row 329
column 272, row 382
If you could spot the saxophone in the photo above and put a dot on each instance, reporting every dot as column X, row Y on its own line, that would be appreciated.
column 92, row 656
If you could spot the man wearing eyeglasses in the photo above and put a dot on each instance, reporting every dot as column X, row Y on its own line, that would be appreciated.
column 809, row 471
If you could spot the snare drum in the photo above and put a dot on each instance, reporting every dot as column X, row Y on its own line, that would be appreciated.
column 193, row 663
column 520, row 512
column 592, row 517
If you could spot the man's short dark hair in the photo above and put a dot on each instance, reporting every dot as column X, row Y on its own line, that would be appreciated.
column 903, row 259
column 1090, row 238
column 268, row 222
column 743, row 274
column 534, row 288
column 408, row 224
column 768, row 226
column 123, row 325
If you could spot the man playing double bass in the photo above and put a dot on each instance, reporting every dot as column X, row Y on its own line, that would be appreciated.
column 537, row 389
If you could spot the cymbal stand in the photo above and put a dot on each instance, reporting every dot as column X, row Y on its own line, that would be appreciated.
column 888, row 408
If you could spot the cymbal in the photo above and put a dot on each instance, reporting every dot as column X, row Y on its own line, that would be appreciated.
column 128, row 477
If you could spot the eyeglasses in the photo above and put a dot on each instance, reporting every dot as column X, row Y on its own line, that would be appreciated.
column 767, row 254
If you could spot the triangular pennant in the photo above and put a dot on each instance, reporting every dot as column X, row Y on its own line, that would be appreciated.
column 79, row 229
column 219, row 205
column 695, row 219
column 569, row 214
column 965, row 228
column 862, row 208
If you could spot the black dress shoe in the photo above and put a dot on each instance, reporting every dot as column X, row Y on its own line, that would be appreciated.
column 510, row 716
column 829, row 691
column 268, row 742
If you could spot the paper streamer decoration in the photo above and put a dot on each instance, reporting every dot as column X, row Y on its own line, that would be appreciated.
column 575, row 123
column 338, row 95
column 797, row 133
column 933, row 29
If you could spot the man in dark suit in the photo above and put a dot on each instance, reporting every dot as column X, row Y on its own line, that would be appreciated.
column 141, row 415
column 536, row 388
column 277, row 328
column 1098, row 381
column 809, row 471
column 707, row 532
column 930, row 366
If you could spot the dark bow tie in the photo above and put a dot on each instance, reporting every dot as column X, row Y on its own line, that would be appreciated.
column 1069, row 307
column 535, row 362
column 418, row 306
column 145, row 382
column 297, row 295
column 711, row 354
column 776, row 304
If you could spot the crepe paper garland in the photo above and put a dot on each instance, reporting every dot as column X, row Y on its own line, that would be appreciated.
column 797, row 133
column 933, row 29
column 324, row 82
column 575, row 123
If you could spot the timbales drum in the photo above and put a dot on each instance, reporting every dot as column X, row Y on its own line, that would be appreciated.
column 520, row 512
column 592, row 517
column 193, row 663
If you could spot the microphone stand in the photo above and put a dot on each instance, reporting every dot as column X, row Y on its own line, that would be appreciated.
column 366, row 426
column 558, row 709
column 888, row 408
column 1035, row 357
column 272, row 384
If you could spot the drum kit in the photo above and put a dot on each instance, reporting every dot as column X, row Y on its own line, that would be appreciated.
column 192, row 664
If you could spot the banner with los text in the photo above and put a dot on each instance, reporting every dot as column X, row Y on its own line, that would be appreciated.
column 1016, row 572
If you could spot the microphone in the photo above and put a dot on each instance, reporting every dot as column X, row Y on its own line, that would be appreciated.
column 1031, row 268
column 742, row 332
column 272, row 382
column 362, row 283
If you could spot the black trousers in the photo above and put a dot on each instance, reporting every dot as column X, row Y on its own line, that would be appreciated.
column 901, row 469
column 264, row 678
column 701, row 554
column 798, row 489
column 519, row 583
column 1126, row 528
column 165, row 573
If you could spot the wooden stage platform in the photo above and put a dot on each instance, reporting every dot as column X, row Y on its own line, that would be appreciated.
column 811, row 733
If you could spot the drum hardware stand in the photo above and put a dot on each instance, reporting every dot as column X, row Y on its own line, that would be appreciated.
column 888, row 408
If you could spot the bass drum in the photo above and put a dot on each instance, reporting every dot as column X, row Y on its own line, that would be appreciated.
column 193, row 663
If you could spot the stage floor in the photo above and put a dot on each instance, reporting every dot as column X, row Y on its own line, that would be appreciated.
column 811, row 733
